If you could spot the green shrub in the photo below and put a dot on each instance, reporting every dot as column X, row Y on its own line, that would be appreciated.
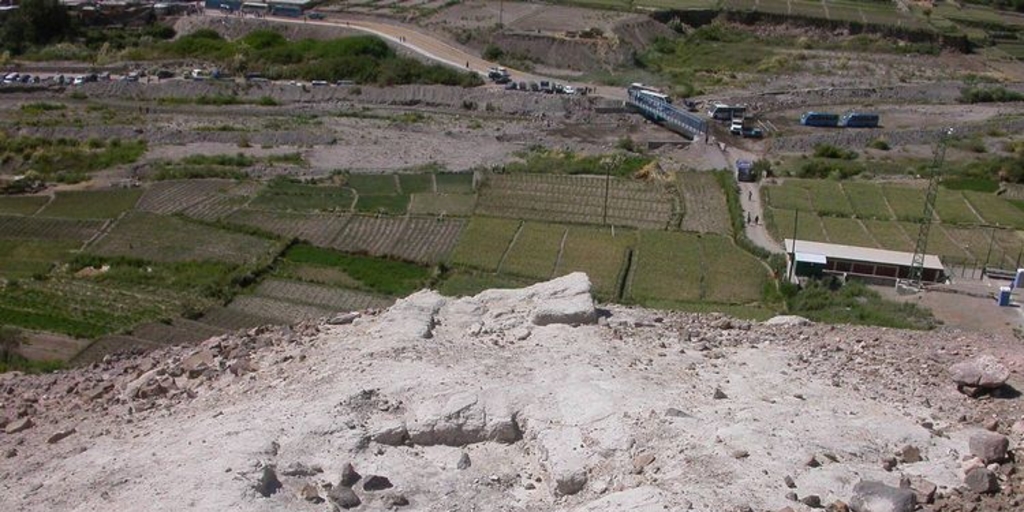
column 879, row 144
column 493, row 53
column 979, row 94
column 830, row 151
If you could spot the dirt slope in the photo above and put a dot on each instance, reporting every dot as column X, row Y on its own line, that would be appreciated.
column 512, row 400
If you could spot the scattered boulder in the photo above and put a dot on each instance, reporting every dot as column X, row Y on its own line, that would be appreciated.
column 343, row 318
column 196, row 364
column 311, row 493
column 981, row 481
column 642, row 461
column 910, row 454
column 394, row 499
column 789, row 482
column 464, row 461
column 871, row 496
column 565, row 462
column 787, row 320
column 989, row 446
column 924, row 491
column 376, row 483
column 719, row 394
column 349, row 475
column 60, row 434
column 268, row 483
column 19, row 425
column 300, row 469
column 811, row 500
column 984, row 372
column 413, row 317
column 343, row 497
column 837, row 506
column 392, row 435
column 465, row 418
column 11, row 453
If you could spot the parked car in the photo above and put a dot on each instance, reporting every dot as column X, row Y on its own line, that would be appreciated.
column 316, row 15
column 569, row 89
column 753, row 133
column 511, row 86
column 163, row 73
column 736, row 128
column 745, row 171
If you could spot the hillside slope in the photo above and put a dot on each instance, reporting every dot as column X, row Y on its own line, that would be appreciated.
column 512, row 400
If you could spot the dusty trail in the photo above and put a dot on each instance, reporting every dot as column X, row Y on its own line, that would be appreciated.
column 432, row 48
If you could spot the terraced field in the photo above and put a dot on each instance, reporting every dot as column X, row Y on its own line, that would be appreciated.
column 419, row 239
column 483, row 243
column 159, row 238
column 535, row 251
column 704, row 203
column 91, row 204
column 577, row 200
column 14, row 227
column 601, row 253
column 175, row 196
column 882, row 215
column 21, row 205
column 316, row 228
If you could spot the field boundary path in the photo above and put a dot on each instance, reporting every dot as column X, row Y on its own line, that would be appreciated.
column 750, row 200
column 429, row 47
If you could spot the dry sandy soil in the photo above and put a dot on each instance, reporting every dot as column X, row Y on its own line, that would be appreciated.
column 511, row 400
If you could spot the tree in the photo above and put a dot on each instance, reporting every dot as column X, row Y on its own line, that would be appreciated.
column 36, row 22
column 10, row 340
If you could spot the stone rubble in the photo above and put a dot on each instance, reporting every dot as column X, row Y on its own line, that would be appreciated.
column 586, row 410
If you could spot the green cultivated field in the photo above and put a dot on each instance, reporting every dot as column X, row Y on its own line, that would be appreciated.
column 599, row 253
column 454, row 183
column 484, row 242
column 995, row 210
column 535, row 251
column 157, row 238
column 866, row 201
column 442, row 204
column 668, row 268
column 21, row 205
column 25, row 258
column 92, row 204
column 283, row 195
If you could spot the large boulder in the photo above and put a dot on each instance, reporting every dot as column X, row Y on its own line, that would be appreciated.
column 989, row 446
column 981, row 372
column 565, row 300
column 870, row 496
column 412, row 317
column 981, row 481
column 564, row 457
column 464, row 418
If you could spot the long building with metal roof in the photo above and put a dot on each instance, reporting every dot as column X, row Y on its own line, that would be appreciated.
column 866, row 262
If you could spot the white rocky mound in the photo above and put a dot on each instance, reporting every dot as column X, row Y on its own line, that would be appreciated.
column 515, row 400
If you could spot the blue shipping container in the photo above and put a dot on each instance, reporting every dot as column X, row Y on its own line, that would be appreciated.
column 859, row 120
column 819, row 119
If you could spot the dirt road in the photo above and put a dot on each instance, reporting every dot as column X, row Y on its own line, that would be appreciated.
column 434, row 49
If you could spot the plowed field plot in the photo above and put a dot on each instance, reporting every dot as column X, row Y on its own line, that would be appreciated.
column 416, row 183
column 827, row 197
column 423, row 240
column 387, row 205
column 906, row 202
column 373, row 184
column 232, row 319
column 216, row 208
column 668, row 268
column 731, row 276
column 995, row 210
column 952, row 208
column 158, row 238
column 442, row 204
column 484, row 242
column 847, row 231
column 1005, row 245
column 84, row 309
column 113, row 344
column 601, row 253
column 296, row 197
column 38, row 228
column 317, row 229
column 809, row 227
column 867, row 201
column 25, row 258
column 326, row 297
column 703, row 202
column 91, row 204
column 454, row 183
column 178, row 332
column 21, row 205
column 174, row 196
column 890, row 235
column 278, row 311
column 788, row 197
column 534, row 251
column 576, row 199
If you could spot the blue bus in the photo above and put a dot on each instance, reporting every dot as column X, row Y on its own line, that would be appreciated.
column 859, row 120
column 819, row 119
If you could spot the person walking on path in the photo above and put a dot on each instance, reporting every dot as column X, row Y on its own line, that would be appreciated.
column 750, row 195
column 748, row 217
column 757, row 219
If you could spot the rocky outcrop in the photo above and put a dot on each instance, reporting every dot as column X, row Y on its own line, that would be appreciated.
column 985, row 372
column 457, row 420
column 869, row 496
